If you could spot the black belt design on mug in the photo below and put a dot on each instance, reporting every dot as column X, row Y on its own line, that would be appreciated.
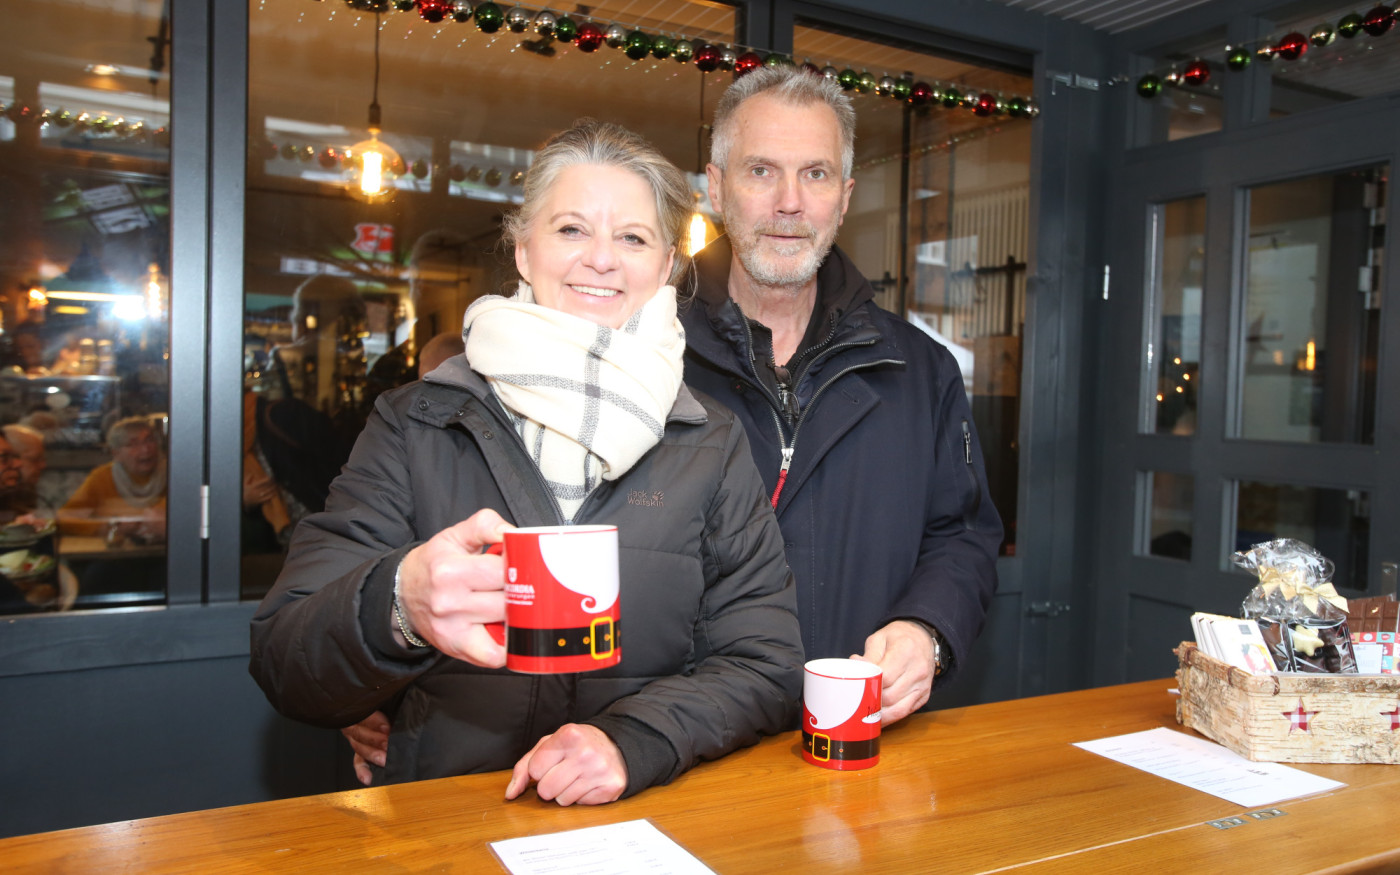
column 598, row 639
column 823, row 748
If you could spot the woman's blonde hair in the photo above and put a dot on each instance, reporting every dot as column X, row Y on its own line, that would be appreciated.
column 608, row 145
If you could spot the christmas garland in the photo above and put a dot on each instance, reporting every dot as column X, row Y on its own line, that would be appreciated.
column 1292, row 46
column 707, row 57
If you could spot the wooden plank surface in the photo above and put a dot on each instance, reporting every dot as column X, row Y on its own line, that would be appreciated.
column 979, row 789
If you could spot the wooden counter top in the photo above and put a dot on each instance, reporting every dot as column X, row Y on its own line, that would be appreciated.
column 986, row 788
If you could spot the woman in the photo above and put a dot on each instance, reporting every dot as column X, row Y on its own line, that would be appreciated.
column 567, row 407
column 126, row 496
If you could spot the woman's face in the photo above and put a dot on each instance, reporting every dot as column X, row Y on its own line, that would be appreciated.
column 141, row 455
column 595, row 248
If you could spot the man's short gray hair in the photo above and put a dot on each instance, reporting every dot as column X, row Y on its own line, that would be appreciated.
column 791, row 85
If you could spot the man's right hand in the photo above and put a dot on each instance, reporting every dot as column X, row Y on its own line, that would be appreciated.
column 449, row 590
column 369, row 739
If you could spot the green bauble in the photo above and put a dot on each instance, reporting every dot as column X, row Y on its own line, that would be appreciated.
column 866, row 83
column 683, row 51
column 1350, row 25
column 404, row 5
column 662, row 47
column 1237, row 60
column 1322, row 35
column 777, row 60
column 903, row 88
column 849, row 79
column 565, row 29
column 489, row 17
column 951, row 97
column 1015, row 107
column 1149, row 86
column 637, row 46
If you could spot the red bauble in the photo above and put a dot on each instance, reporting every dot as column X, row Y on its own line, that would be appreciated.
column 809, row 67
column 920, row 94
column 746, row 62
column 986, row 105
column 590, row 37
column 327, row 158
column 434, row 10
column 707, row 58
column 1196, row 73
column 1292, row 46
column 1378, row 20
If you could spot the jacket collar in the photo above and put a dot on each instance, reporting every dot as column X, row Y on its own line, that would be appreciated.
column 842, row 293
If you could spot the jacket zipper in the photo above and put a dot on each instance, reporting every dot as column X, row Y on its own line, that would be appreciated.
column 789, row 447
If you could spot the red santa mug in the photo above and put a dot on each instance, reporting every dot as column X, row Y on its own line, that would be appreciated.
column 561, row 599
column 841, row 714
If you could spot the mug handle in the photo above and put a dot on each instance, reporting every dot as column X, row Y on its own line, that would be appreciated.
column 497, row 631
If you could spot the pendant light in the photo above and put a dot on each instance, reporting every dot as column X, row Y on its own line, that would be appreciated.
column 701, row 229
column 374, row 165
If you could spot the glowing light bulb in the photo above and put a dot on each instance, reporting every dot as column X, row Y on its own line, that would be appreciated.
column 372, row 178
column 697, row 234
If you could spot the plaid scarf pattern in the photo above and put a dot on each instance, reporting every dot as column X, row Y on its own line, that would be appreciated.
column 587, row 400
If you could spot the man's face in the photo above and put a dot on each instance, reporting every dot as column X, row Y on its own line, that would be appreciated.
column 782, row 195
column 9, row 466
column 141, row 454
column 32, row 462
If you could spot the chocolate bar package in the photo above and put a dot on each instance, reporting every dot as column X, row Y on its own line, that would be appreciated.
column 1301, row 616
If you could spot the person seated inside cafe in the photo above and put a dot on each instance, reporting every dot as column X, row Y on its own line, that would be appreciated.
column 123, row 499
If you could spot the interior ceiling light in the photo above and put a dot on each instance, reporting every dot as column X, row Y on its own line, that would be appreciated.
column 374, row 165
column 103, row 69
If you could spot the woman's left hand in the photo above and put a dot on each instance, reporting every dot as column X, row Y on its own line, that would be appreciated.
column 577, row 763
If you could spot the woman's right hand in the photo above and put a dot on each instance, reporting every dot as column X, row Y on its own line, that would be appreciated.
column 449, row 590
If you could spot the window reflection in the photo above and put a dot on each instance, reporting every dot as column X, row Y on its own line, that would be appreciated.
column 1337, row 522
column 1180, row 232
column 84, row 303
column 1311, row 335
column 1172, row 523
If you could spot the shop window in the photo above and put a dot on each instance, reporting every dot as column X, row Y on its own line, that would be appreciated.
column 1311, row 325
column 940, row 218
column 84, row 304
column 1171, row 518
column 1323, row 54
column 1177, row 263
column 1335, row 522
column 1184, row 90
column 343, row 296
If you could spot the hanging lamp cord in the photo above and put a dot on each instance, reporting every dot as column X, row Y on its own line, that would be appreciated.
column 374, row 103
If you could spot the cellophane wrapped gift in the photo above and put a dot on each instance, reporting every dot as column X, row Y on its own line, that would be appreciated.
column 1303, row 620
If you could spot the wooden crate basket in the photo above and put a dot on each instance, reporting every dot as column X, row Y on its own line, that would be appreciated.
column 1290, row 718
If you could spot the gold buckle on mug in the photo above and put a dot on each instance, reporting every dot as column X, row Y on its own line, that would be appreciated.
column 825, row 738
column 593, row 637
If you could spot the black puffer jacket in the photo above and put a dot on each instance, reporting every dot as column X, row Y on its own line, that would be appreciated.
column 712, row 657
column 884, row 509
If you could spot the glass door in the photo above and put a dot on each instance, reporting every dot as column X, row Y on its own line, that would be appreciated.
column 1245, row 387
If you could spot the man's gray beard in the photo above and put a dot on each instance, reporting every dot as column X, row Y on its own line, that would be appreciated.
column 764, row 273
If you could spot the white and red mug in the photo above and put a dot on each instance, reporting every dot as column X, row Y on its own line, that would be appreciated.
column 841, row 714
column 561, row 599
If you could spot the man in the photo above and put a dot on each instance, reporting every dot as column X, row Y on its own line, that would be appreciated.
column 29, row 444
column 859, row 423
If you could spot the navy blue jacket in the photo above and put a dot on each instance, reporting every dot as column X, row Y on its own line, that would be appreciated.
column 884, row 509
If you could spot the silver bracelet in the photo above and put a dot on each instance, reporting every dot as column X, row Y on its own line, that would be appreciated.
column 398, row 613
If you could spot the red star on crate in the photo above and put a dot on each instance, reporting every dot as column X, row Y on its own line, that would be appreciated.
column 1300, row 718
column 1394, row 715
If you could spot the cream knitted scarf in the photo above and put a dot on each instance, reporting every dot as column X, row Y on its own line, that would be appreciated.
column 588, row 400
